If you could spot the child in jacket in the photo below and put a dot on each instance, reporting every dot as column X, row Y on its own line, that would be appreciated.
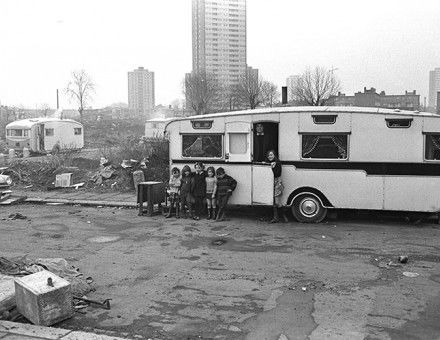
column 174, row 190
column 186, row 189
column 199, row 191
column 225, row 186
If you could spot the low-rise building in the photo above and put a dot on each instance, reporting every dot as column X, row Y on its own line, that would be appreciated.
column 370, row 98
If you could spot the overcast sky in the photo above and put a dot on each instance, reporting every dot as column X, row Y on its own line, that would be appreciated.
column 390, row 45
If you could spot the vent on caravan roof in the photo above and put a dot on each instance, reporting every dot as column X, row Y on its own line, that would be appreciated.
column 324, row 119
column 395, row 123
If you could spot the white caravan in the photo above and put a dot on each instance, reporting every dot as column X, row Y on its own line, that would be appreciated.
column 333, row 157
column 40, row 135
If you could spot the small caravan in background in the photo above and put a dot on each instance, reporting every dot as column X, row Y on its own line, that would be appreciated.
column 40, row 135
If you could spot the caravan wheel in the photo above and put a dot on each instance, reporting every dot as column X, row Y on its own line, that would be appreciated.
column 307, row 208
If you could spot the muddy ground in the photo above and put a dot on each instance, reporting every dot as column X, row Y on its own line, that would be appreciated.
column 243, row 278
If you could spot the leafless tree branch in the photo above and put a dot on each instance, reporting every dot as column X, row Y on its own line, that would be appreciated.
column 80, row 90
column 315, row 87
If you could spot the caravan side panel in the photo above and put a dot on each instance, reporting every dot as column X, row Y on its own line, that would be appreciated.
column 63, row 133
column 345, row 189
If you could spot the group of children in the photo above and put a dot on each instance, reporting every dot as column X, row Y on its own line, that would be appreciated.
column 188, row 190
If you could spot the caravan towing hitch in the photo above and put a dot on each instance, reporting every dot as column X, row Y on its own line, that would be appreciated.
column 105, row 304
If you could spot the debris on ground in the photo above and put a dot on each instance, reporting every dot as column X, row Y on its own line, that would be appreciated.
column 103, row 174
column 12, row 200
column 403, row 259
column 17, row 216
column 24, row 266
column 86, row 301
column 63, row 180
column 218, row 242
column 410, row 274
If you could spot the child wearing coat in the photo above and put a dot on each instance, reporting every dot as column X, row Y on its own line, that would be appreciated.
column 174, row 190
column 225, row 186
column 199, row 191
column 186, row 190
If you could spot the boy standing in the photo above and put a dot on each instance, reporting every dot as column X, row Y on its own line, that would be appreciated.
column 225, row 186
column 199, row 191
column 186, row 189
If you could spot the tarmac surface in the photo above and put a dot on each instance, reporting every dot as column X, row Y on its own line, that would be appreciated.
column 242, row 278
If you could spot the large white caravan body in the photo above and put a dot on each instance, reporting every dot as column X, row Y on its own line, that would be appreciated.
column 333, row 157
column 41, row 134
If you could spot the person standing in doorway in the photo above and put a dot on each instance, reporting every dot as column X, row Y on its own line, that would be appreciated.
column 277, row 187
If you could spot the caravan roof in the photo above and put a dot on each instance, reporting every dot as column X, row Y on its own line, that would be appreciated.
column 317, row 109
column 28, row 123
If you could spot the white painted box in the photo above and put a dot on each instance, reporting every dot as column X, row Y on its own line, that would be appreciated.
column 44, row 298
column 63, row 180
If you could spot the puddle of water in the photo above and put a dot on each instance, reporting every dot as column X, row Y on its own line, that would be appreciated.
column 51, row 227
column 103, row 239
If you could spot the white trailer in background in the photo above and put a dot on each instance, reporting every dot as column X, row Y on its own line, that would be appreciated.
column 333, row 157
column 40, row 135
column 154, row 128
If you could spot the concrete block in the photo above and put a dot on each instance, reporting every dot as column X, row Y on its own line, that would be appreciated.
column 44, row 298
column 7, row 293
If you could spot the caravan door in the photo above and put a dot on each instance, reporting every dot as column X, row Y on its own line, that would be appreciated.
column 238, row 140
column 238, row 159
column 265, row 138
column 40, row 138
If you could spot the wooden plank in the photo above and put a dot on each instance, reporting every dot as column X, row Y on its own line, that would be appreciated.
column 13, row 200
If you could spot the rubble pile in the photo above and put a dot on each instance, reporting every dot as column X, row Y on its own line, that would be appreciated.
column 23, row 266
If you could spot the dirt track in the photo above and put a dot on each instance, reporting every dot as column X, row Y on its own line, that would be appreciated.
column 169, row 280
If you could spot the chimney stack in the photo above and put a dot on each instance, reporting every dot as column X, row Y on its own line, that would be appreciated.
column 284, row 95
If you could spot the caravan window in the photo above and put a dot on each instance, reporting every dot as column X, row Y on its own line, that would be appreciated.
column 432, row 147
column 238, row 143
column 49, row 132
column 202, row 145
column 325, row 146
column 77, row 131
column 15, row 132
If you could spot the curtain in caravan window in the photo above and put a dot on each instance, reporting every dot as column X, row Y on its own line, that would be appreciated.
column 309, row 144
column 432, row 147
column 325, row 146
column 341, row 143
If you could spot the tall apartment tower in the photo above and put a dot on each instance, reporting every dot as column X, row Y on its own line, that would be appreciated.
column 219, row 39
column 434, row 87
column 141, row 92
column 291, row 83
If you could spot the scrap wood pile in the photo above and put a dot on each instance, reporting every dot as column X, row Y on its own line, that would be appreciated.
column 113, row 172
column 41, row 174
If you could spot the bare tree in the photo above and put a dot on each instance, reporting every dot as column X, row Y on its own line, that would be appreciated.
column 315, row 87
column 270, row 93
column 250, row 90
column 201, row 91
column 44, row 109
column 80, row 90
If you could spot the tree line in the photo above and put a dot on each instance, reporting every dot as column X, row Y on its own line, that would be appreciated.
column 204, row 94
